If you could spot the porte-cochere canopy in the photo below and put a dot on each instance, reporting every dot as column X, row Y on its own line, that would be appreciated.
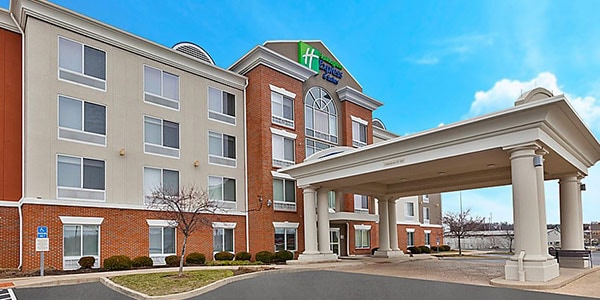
column 540, row 138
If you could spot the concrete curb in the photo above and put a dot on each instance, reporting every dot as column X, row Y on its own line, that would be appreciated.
column 553, row 284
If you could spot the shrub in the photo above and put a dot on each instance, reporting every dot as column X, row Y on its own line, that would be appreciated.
column 142, row 261
column 87, row 262
column 243, row 256
column 224, row 255
column 264, row 256
column 117, row 262
column 414, row 250
column 444, row 248
column 172, row 260
column 424, row 249
column 434, row 248
column 195, row 258
column 283, row 255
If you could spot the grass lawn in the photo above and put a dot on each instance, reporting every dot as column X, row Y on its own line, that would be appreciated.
column 158, row 284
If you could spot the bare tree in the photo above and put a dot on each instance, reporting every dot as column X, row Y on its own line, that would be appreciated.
column 460, row 224
column 189, row 209
column 510, row 237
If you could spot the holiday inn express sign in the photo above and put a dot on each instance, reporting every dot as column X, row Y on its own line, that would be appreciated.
column 312, row 58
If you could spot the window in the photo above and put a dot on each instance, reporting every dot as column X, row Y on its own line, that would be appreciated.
column 359, row 134
column 426, row 215
column 361, row 204
column 221, row 105
column 81, row 64
column 285, row 239
column 78, row 241
column 223, row 239
column 409, row 209
column 321, row 120
column 161, row 137
column 313, row 146
column 362, row 238
column 284, row 194
column 427, row 238
column 331, row 201
column 162, row 241
column 160, row 179
column 80, row 178
column 282, row 109
column 283, row 151
column 221, row 149
column 161, row 88
column 223, row 190
column 410, row 239
column 81, row 121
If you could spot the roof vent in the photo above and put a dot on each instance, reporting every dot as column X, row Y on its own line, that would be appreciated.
column 194, row 51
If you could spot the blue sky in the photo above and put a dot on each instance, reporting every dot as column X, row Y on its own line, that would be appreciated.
column 430, row 62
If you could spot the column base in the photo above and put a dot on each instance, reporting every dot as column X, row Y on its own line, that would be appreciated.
column 318, row 257
column 574, row 262
column 533, row 271
column 388, row 253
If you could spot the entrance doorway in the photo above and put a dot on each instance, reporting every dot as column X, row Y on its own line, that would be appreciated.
column 334, row 240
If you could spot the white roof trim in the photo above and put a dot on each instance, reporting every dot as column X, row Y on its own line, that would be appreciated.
column 260, row 55
column 410, row 230
column 286, row 224
column 359, row 120
column 282, row 91
column 81, row 220
column 362, row 227
column 228, row 225
column 427, row 231
column 161, row 223
column 6, row 22
column 349, row 94
column 284, row 133
column 281, row 175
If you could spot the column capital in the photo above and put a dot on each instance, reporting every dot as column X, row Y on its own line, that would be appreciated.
column 532, row 146
column 308, row 187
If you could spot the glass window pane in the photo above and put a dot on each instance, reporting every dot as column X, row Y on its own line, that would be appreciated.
column 290, row 239
column 229, row 189
column 228, row 240
column 288, row 108
column 229, row 146
column 277, row 190
column 308, row 113
column 152, row 79
column 277, row 142
column 155, row 240
column 171, row 182
column 279, row 239
column 69, row 55
column 95, row 118
column 218, row 239
column 321, row 121
column 332, row 125
column 357, row 239
column 69, row 113
column 152, row 181
column 69, row 171
column 289, row 149
column 72, row 240
column 169, row 240
column 93, row 174
column 170, row 86
column 365, row 202
column 363, row 133
column 290, row 191
column 94, row 62
column 90, row 240
column 170, row 134
column 276, row 104
column 355, row 131
column 214, row 99
column 152, row 130
column 215, row 144
column 229, row 104
column 215, row 188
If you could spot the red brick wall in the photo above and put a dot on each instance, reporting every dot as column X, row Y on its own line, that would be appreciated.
column 10, row 116
column 260, row 180
column 122, row 232
column 419, row 235
column 9, row 235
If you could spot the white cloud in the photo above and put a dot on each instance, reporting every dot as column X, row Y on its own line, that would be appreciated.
column 453, row 47
column 426, row 60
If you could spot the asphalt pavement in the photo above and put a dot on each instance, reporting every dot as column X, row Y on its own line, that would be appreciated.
column 84, row 291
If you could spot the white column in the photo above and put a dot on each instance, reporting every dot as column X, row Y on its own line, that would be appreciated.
column 384, row 227
column 310, row 222
column 571, row 221
column 323, row 215
column 539, row 171
column 393, row 224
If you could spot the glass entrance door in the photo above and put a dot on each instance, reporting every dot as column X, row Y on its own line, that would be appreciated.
column 334, row 240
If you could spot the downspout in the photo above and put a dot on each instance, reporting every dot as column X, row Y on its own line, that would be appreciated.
column 12, row 16
column 246, row 170
column 347, row 239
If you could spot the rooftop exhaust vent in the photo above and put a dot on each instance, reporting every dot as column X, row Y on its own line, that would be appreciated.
column 194, row 51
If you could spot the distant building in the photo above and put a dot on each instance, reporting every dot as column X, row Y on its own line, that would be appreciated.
column 495, row 240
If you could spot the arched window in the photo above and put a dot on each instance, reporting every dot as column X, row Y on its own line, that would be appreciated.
column 320, row 119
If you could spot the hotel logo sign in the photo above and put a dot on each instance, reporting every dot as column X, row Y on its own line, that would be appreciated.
column 312, row 58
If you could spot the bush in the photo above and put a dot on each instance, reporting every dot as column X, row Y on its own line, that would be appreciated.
column 424, row 249
column 444, row 248
column 243, row 256
column 117, row 262
column 195, row 258
column 434, row 248
column 264, row 256
column 283, row 255
column 414, row 250
column 172, row 260
column 224, row 255
column 142, row 261
column 87, row 262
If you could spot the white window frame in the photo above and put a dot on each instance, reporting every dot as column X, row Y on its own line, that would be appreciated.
column 161, row 149
column 358, row 124
column 149, row 100
column 410, row 236
column 360, row 209
column 426, row 215
column 284, row 205
column 425, row 198
column 72, row 262
column 224, row 226
column 409, row 213
column 76, row 135
column 365, row 236
column 158, row 259
column 280, row 136
column 333, row 130
column 277, row 117
column 80, row 192
column 286, row 226
column 82, row 73
column 148, row 198
column 427, row 237
column 220, row 116
column 222, row 160
column 221, row 202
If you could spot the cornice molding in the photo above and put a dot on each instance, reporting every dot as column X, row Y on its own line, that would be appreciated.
column 349, row 94
column 260, row 55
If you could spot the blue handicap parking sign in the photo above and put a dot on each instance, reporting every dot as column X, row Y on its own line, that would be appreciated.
column 42, row 232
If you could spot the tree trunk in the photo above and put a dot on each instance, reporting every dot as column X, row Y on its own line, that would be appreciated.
column 182, row 255
column 459, row 247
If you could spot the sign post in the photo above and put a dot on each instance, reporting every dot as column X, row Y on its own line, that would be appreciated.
column 42, row 244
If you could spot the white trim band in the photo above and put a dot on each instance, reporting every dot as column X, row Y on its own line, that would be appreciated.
column 362, row 227
column 286, row 224
column 224, row 225
column 359, row 120
column 161, row 223
column 410, row 230
column 81, row 220
column 282, row 91
column 283, row 133
column 281, row 175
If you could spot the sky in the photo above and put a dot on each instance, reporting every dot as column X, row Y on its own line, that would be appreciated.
column 429, row 62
